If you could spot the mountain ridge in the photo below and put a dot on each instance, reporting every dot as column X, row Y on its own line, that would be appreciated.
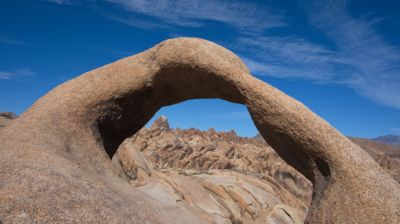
column 388, row 139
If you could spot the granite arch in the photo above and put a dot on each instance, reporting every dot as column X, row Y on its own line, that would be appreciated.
column 81, row 123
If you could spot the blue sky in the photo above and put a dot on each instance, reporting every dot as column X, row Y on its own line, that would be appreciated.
column 340, row 58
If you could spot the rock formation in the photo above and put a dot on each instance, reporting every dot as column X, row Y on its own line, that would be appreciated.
column 387, row 156
column 212, row 164
column 58, row 169
column 223, row 177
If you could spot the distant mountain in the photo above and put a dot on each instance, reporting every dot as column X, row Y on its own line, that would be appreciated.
column 389, row 139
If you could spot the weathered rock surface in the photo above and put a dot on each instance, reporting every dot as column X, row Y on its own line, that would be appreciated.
column 241, row 180
column 387, row 156
column 57, row 169
column 223, row 177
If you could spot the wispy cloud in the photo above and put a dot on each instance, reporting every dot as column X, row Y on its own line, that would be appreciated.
column 61, row 2
column 4, row 75
column 375, row 62
column 131, row 20
column 360, row 59
column 114, row 51
column 71, row 2
column 195, row 13
column 16, row 74
column 15, row 42
column 288, row 57
column 150, row 14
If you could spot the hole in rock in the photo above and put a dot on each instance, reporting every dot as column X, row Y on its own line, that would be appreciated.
column 323, row 168
column 183, row 152
column 203, row 125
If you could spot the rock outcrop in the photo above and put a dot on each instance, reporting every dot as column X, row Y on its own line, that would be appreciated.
column 223, row 177
column 243, row 177
column 387, row 156
column 58, row 168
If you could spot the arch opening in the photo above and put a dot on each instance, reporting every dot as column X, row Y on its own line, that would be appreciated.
column 199, row 70
column 125, row 115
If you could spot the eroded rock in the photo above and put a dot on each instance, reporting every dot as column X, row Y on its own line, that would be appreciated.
column 238, row 193
column 58, row 167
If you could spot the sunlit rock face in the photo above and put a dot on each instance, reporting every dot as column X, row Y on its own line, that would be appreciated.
column 55, row 158
column 387, row 156
column 222, row 177
column 217, row 176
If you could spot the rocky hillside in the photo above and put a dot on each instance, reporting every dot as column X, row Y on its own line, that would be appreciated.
column 221, row 177
column 217, row 176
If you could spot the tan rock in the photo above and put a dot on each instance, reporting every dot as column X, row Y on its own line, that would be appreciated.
column 58, row 168
column 282, row 214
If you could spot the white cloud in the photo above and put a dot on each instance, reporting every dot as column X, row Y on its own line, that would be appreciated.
column 361, row 58
column 194, row 13
column 16, row 73
column 288, row 57
column 113, row 51
column 131, row 20
column 70, row 2
column 245, row 15
column 61, row 2
column 4, row 75
column 15, row 42
column 376, row 62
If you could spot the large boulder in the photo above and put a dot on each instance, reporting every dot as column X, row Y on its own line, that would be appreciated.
column 58, row 168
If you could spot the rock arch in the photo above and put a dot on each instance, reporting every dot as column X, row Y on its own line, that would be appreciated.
column 57, row 163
